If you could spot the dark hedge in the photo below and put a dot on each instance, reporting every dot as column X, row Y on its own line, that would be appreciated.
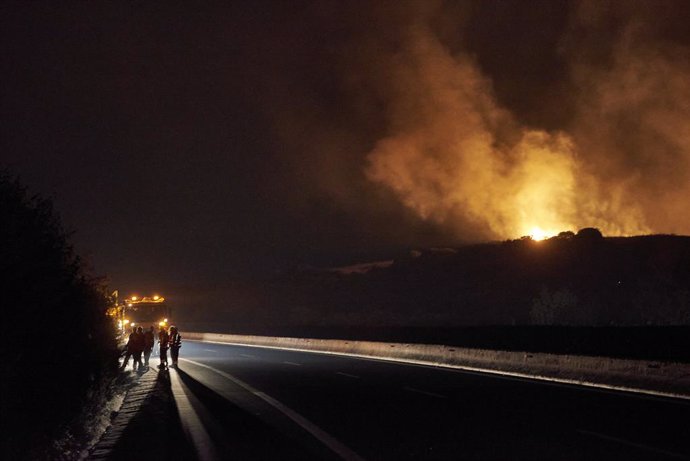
column 57, row 344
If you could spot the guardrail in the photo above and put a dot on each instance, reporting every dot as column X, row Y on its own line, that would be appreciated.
column 668, row 379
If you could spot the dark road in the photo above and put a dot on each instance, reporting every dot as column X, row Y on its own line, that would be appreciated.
column 255, row 403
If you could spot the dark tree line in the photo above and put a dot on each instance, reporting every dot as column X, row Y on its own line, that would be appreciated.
column 57, row 345
column 569, row 280
column 575, row 293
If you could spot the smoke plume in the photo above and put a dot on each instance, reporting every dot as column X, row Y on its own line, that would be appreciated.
column 633, row 109
column 453, row 153
column 423, row 119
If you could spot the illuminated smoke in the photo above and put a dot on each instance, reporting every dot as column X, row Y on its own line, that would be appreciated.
column 633, row 112
column 410, row 110
column 453, row 155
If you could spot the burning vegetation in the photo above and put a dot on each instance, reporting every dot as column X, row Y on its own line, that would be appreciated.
column 488, row 130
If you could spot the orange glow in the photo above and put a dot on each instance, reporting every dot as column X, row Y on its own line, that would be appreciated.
column 456, row 157
column 538, row 234
column 145, row 300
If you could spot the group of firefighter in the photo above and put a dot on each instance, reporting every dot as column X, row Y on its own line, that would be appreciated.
column 141, row 342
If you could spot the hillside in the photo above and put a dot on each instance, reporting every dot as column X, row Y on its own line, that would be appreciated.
column 570, row 280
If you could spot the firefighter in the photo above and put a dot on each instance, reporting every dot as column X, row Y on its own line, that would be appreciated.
column 128, row 349
column 134, row 348
column 148, row 345
column 138, row 348
column 163, row 340
column 175, row 344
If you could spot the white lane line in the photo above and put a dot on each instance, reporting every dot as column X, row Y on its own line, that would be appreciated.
column 211, row 350
column 248, row 356
column 633, row 444
column 419, row 391
column 293, row 363
column 325, row 438
column 633, row 391
column 346, row 374
column 191, row 423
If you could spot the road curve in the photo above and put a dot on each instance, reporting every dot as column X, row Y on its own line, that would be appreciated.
column 245, row 402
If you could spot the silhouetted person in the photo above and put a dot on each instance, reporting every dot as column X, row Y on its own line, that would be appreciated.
column 138, row 347
column 175, row 344
column 128, row 349
column 163, row 340
column 135, row 346
column 148, row 345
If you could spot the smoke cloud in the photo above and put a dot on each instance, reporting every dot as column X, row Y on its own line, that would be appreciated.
column 419, row 116
column 453, row 153
column 633, row 110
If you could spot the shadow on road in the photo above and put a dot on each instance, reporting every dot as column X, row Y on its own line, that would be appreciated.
column 239, row 434
column 155, row 432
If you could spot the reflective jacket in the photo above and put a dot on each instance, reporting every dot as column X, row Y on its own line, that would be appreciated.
column 175, row 340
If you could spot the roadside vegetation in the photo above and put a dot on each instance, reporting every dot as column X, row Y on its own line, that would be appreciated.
column 574, row 280
column 58, row 351
column 575, row 293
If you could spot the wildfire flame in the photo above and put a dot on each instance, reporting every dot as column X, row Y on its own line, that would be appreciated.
column 448, row 157
column 537, row 233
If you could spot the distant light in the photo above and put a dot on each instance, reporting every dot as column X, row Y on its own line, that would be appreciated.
column 129, row 304
column 161, row 324
column 126, row 322
column 134, row 298
column 156, row 297
column 165, row 320
column 537, row 233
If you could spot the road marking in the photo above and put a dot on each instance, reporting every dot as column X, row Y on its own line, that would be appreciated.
column 293, row 363
column 191, row 423
column 325, row 438
column 346, row 374
column 632, row 444
column 592, row 386
column 210, row 350
column 248, row 356
column 419, row 391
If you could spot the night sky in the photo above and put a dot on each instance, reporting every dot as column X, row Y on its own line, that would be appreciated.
column 190, row 145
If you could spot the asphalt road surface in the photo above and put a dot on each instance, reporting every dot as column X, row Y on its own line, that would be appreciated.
column 239, row 402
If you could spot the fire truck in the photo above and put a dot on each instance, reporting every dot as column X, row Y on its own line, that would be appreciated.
column 144, row 312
